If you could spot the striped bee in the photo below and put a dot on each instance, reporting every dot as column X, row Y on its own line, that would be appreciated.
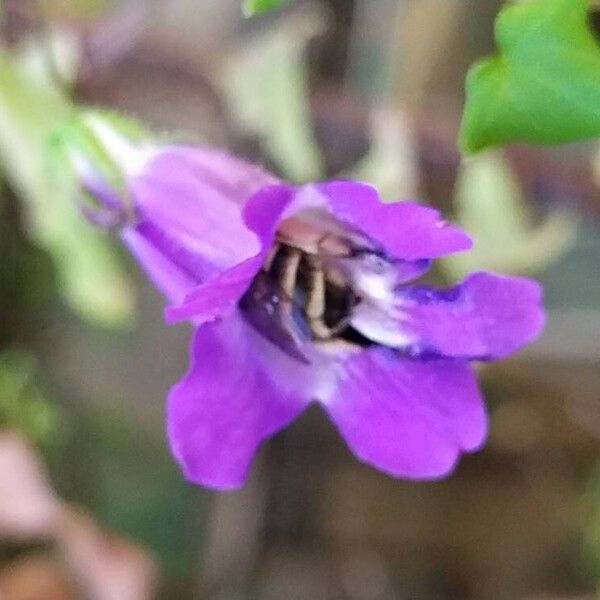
column 302, row 294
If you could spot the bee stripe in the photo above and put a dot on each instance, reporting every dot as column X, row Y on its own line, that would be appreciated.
column 289, row 272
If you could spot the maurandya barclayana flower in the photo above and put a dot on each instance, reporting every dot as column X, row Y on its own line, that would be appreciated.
column 303, row 294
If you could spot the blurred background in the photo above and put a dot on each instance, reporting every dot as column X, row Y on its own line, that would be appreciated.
column 91, row 504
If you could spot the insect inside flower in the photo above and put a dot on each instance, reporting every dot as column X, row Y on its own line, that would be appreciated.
column 304, row 292
column 302, row 295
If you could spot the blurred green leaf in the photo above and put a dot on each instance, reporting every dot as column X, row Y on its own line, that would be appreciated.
column 90, row 276
column 391, row 164
column 22, row 405
column 543, row 86
column 266, row 87
column 591, row 532
column 136, row 487
column 78, row 8
column 52, row 58
column 257, row 7
column 491, row 207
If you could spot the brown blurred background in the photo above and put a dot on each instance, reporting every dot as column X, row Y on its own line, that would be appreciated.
column 368, row 87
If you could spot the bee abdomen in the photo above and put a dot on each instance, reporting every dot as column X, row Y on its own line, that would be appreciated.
column 295, row 300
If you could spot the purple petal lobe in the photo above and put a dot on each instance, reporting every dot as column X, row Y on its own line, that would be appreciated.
column 161, row 257
column 487, row 316
column 409, row 270
column 265, row 209
column 405, row 230
column 225, row 406
column 189, row 205
column 218, row 296
column 221, row 293
column 409, row 418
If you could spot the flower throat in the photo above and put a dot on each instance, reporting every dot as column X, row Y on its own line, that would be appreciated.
column 298, row 298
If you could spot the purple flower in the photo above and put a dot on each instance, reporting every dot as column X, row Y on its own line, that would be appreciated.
column 302, row 294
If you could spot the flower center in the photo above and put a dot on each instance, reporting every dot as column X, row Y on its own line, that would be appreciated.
column 305, row 294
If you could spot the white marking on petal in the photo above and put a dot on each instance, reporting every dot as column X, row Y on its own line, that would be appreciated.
column 373, row 279
column 374, row 287
column 381, row 325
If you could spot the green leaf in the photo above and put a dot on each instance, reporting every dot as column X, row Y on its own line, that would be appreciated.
column 90, row 276
column 491, row 206
column 543, row 86
column 256, row 7
column 23, row 406
column 266, row 86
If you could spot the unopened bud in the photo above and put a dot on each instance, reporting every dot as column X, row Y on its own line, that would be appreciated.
column 98, row 152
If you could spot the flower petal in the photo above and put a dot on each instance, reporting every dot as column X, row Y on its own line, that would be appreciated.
column 408, row 418
column 487, row 316
column 189, row 204
column 406, row 230
column 173, row 268
column 226, row 405
column 220, row 294
column 409, row 270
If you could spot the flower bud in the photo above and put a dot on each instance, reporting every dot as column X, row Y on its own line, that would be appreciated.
column 98, row 152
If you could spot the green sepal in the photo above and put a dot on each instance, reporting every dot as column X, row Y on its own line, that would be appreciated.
column 79, row 139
